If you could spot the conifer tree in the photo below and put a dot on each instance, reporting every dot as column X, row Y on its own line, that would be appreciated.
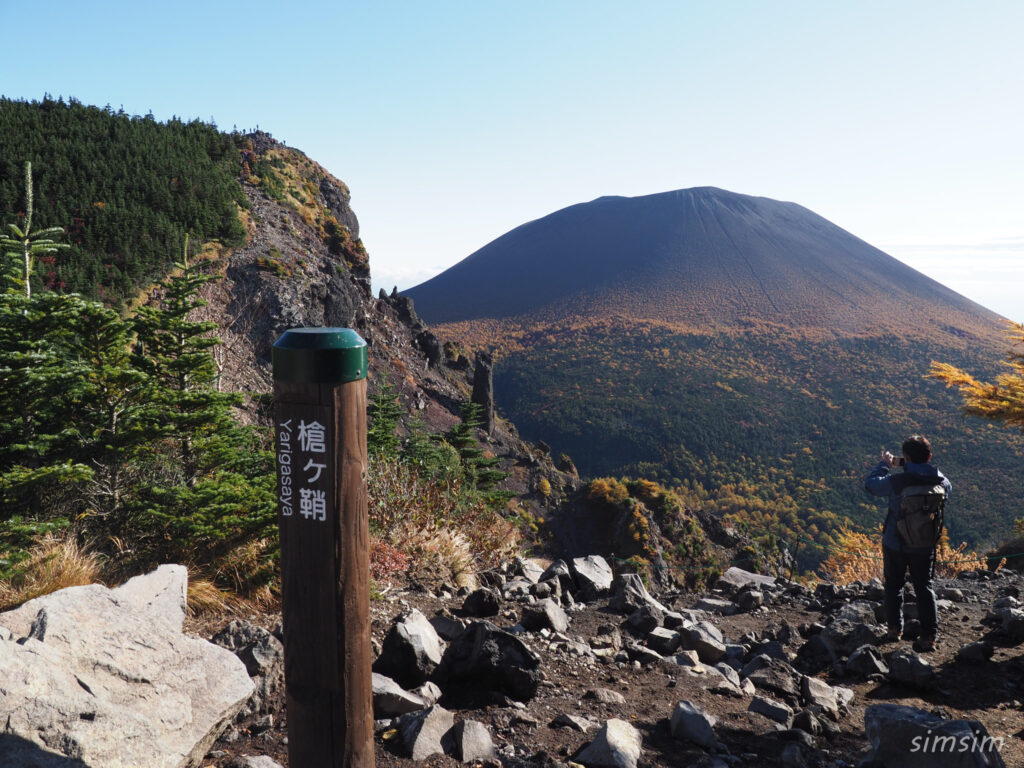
column 384, row 414
column 25, row 246
column 478, row 469
column 175, row 351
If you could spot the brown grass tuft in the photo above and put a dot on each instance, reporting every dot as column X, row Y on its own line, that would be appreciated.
column 55, row 563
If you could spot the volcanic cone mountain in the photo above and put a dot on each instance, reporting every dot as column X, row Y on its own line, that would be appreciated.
column 703, row 257
column 745, row 350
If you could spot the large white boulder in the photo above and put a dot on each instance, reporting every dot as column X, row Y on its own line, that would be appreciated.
column 105, row 677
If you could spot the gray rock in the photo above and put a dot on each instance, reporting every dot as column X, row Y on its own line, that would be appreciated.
column 473, row 742
column 422, row 732
column 842, row 637
column 259, row 650
column 605, row 696
column 617, row 745
column 530, row 569
column 820, row 695
column 390, row 699
column 909, row 668
column 493, row 660
column 482, row 602
column 859, row 611
column 950, row 593
column 777, row 678
column 544, row 614
column 674, row 620
column 575, row 722
column 1013, row 623
column 643, row 654
column 735, row 579
column 866, row 661
column 714, row 605
column 748, row 600
column 706, row 640
column 593, row 576
column 250, row 761
column 773, row 710
column 103, row 678
column 429, row 692
column 691, row 723
column 448, row 627
column 808, row 722
column 646, row 618
column 979, row 651
column 664, row 641
column 630, row 594
column 730, row 674
column 162, row 593
column 905, row 737
column 411, row 650
column 560, row 570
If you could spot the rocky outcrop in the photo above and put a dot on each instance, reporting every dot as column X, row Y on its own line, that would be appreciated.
column 98, row 677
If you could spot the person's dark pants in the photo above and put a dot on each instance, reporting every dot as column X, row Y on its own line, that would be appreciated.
column 922, row 566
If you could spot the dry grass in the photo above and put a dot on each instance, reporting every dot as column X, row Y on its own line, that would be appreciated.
column 428, row 524
column 55, row 563
column 205, row 598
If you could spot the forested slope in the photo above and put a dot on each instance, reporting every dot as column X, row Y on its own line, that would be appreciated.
column 127, row 188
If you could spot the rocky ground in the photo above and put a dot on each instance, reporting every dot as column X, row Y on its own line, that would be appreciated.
column 787, row 685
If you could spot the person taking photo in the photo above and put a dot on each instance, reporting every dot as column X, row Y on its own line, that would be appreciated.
column 910, row 536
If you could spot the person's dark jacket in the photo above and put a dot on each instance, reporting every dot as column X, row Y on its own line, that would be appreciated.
column 882, row 482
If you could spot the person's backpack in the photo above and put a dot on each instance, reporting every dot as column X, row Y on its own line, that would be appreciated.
column 919, row 520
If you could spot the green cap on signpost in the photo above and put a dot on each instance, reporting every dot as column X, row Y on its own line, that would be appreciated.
column 319, row 356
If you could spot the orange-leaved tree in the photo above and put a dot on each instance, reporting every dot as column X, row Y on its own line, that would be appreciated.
column 1001, row 400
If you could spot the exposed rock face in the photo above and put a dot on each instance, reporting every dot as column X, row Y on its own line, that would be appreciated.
column 105, row 678
column 483, row 389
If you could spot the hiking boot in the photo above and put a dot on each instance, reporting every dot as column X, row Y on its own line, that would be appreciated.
column 925, row 644
column 893, row 635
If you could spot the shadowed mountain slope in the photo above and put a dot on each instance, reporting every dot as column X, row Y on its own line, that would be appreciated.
column 701, row 257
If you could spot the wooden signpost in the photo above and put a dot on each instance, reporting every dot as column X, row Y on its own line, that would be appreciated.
column 320, row 435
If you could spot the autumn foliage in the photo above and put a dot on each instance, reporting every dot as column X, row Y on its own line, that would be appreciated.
column 858, row 557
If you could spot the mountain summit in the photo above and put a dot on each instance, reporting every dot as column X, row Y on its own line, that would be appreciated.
column 702, row 257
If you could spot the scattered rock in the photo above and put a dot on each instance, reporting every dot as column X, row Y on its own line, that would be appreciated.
column 545, row 614
column 411, row 650
column 593, row 576
column 493, row 660
column 472, row 742
column 691, row 723
column 617, row 745
column 773, row 710
column 482, row 602
column 390, row 699
column 422, row 732
column 909, row 668
column 905, row 737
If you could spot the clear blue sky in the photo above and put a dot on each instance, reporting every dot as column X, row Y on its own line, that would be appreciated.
column 453, row 122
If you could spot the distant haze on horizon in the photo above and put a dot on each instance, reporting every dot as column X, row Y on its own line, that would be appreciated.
column 455, row 123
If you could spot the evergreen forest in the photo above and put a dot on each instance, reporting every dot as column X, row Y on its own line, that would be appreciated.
column 127, row 189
